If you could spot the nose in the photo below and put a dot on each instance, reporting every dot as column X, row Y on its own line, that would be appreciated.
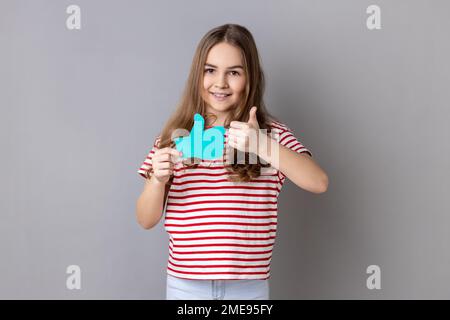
column 221, row 82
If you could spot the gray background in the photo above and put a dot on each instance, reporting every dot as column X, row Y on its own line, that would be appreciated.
column 80, row 110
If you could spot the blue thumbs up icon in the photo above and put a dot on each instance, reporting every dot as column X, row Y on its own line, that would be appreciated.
column 203, row 144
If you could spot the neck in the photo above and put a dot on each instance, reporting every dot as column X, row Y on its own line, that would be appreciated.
column 215, row 119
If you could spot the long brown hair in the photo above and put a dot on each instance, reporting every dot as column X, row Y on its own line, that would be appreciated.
column 191, row 101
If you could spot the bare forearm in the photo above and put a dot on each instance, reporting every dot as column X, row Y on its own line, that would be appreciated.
column 300, row 168
column 150, row 204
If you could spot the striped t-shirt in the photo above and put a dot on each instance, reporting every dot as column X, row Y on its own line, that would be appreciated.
column 219, row 229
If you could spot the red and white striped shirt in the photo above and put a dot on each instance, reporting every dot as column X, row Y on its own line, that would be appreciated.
column 219, row 229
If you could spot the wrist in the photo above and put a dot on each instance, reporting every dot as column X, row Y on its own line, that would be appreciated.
column 265, row 146
column 153, row 181
column 157, row 182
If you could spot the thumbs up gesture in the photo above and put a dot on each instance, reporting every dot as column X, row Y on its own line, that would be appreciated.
column 244, row 135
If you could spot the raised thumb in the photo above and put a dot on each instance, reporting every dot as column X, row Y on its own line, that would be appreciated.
column 252, row 117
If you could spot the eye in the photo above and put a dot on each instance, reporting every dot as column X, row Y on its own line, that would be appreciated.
column 208, row 69
column 235, row 73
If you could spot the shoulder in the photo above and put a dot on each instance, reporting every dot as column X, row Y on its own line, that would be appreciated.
column 278, row 126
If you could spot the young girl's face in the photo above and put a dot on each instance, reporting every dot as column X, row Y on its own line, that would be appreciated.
column 223, row 73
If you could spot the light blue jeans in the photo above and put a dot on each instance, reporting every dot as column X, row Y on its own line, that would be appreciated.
column 193, row 289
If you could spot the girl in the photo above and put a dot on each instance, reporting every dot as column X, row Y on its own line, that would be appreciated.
column 221, row 219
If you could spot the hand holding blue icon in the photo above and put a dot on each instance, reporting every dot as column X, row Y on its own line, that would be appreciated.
column 203, row 144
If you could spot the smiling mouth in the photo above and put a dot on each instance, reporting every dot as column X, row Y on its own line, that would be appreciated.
column 220, row 95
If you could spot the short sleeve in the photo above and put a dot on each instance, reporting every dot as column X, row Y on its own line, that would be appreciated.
column 147, row 163
column 288, row 139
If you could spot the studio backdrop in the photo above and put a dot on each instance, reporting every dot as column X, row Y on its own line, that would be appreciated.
column 85, row 87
